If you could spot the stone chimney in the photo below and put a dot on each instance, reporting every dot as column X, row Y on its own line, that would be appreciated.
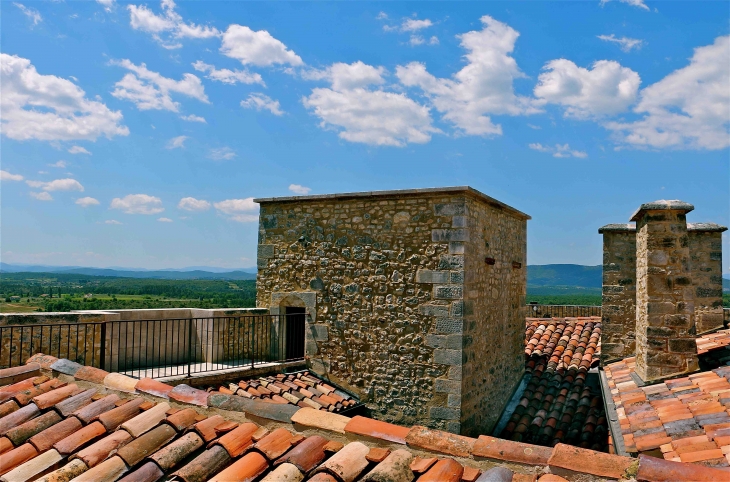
column 705, row 245
column 665, row 295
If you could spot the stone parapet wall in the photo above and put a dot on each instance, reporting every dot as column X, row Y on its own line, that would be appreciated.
column 392, row 317
column 618, row 337
column 705, row 244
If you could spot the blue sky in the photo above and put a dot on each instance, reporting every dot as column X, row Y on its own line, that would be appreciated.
column 137, row 134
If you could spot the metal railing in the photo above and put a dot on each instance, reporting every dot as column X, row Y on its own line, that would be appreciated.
column 162, row 347
column 561, row 311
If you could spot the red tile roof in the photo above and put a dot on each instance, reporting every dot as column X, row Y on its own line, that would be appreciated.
column 685, row 419
column 172, row 446
column 712, row 341
column 565, row 342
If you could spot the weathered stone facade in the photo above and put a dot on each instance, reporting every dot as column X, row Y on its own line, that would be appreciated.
column 415, row 297
column 619, row 291
column 620, row 274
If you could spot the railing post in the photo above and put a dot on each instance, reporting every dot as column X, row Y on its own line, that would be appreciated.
column 102, row 348
column 252, row 337
column 190, row 343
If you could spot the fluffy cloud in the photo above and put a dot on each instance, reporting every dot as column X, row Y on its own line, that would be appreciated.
column 221, row 154
column 112, row 221
column 57, row 185
column 362, row 114
column 559, row 150
column 228, row 76
column 418, row 40
column 299, row 189
column 168, row 27
column 176, row 142
column 138, row 204
column 31, row 13
column 107, row 4
column 625, row 43
column 192, row 204
column 41, row 196
column 260, row 102
column 85, row 202
column 480, row 89
column 608, row 88
column 78, row 150
column 687, row 109
column 150, row 90
column 633, row 3
column 6, row 176
column 59, row 164
column 193, row 118
column 49, row 108
column 413, row 25
column 240, row 210
column 256, row 48
column 164, row 220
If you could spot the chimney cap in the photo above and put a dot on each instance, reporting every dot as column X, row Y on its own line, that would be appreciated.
column 706, row 227
column 662, row 205
column 617, row 228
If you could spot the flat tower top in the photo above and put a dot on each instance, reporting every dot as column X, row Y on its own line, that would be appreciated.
column 398, row 193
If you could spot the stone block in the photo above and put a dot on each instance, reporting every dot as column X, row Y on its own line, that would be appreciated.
column 449, row 325
column 319, row 332
column 434, row 310
column 266, row 251
column 450, row 209
column 451, row 261
column 453, row 401
column 431, row 276
column 683, row 345
column 435, row 341
column 457, row 277
column 447, row 386
column 455, row 373
column 445, row 356
column 456, row 247
column 447, row 292
column 446, row 235
column 458, row 222
column 444, row 413
column 677, row 320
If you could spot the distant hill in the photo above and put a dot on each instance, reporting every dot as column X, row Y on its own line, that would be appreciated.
column 726, row 285
column 124, row 273
column 564, row 275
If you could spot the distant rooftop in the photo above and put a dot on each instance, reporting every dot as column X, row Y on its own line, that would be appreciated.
column 399, row 193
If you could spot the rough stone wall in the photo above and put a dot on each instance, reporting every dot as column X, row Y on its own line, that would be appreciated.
column 665, row 325
column 383, row 278
column 706, row 258
column 493, row 315
column 618, row 338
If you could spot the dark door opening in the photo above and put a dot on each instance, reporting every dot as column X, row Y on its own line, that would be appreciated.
column 294, row 332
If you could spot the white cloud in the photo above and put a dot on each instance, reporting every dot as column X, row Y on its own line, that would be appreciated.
column 78, row 150
column 382, row 16
column 240, row 210
column 256, row 48
column 59, row 164
column 418, row 40
column 222, row 154
column 687, row 109
column 85, row 202
column 150, row 90
column 362, row 114
column 634, row 3
column 33, row 14
column 176, row 142
column 138, row 204
column 41, row 196
column 192, row 204
column 112, row 221
column 482, row 88
column 6, row 176
column 193, row 118
column 57, row 185
column 107, row 4
column 49, row 108
column 299, row 189
column 228, row 76
column 167, row 27
column 559, row 150
column 164, row 220
column 608, row 88
column 413, row 25
column 260, row 102
column 625, row 43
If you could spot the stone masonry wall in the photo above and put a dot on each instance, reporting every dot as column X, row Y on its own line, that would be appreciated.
column 619, row 292
column 383, row 278
column 665, row 325
column 494, row 315
column 705, row 244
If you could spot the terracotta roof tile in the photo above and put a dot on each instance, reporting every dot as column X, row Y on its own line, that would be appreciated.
column 438, row 441
column 206, row 428
column 24, row 431
column 376, row 429
column 471, row 474
column 5, row 445
column 446, row 470
column 420, row 465
column 18, row 417
column 154, row 387
column 187, row 394
column 603, row 465
column 54, row 396
column 247, row 467
column 239, row 439
column 307, row 455
column 78, row 439
column 47, row 438
column 147, row 420
column 99, row 451
column 123, row 383
column 89, row 412
column 284, row 473
column 395, row 468
column 24, row 397
column 148, row 472
column 65, row 366
column 33, row 467
column 348, row 463
column 499, row 449
column 310, row 417
column 564, row 341
column 45, row 361
column 498, row 474
column 173, row 454
column 7, row 392
column 275, row 444
column 182, row 419
column 115, row 417
column 146, row 444
column 91, row 374
column 111, row 469
column 205, row 465
column 75, row 402
column 10, row 460
column 66, row 473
